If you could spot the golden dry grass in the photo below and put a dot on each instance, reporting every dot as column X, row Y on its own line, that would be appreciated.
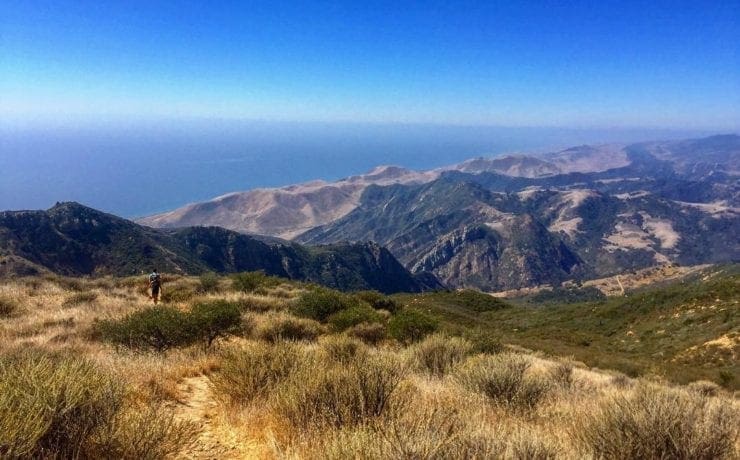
column 323, row 395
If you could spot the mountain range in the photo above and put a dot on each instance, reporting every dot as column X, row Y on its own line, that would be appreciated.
column 71, row 239
column 517, row 220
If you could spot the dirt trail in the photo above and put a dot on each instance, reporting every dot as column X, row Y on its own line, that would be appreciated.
column 215, row 441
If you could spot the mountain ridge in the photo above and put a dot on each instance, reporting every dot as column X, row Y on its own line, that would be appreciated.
column 512, row 221
column 72, row 239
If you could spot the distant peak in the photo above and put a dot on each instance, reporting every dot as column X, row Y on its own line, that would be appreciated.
column 67, row 206
column 387, row 170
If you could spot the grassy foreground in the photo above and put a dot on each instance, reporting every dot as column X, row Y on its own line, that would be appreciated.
column 257, row 367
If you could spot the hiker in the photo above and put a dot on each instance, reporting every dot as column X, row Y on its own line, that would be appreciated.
column 155, row 284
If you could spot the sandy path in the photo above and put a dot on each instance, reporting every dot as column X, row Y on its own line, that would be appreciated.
column 215, row 440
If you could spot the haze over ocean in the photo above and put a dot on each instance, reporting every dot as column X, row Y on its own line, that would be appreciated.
column 135, row 170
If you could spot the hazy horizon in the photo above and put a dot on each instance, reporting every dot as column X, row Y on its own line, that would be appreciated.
column 139, row 108
column 135, row 170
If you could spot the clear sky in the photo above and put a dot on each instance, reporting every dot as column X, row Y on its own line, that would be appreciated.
column 516, row 63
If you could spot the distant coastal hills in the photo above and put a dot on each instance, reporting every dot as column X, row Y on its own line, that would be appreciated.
column 487, row 223
column 518, row 220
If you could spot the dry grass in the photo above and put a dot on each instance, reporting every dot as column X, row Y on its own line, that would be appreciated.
column 438, row 354
column 292, row 389
column 658, row 422
column 504, row 380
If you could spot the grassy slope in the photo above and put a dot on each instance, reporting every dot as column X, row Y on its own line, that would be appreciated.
column 661, row 330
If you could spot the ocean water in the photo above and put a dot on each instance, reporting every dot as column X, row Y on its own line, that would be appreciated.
column 136, row 169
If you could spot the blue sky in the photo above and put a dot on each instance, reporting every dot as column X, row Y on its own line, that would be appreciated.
column 577, row 64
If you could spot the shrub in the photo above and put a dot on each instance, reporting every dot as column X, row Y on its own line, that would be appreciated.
column 484, row 341
column 159, row 327
column 473, row 300
column 411, row 325
column 425, row 431
column 177, row 293
column 53, row 407
column 208, row 282
column 255, row 370
column 211, row 320
column 502, row 379
column 79, row 298
column 341, row 394
column 704, row 388
column 249, row 281
column 148, row 432
column 370, row 333
column 352, row 316
column 342, row 349
column 162, row 327
column 65, row 407
column 654, row 422
column 8, row 307
column 562, row 375
column 319, row 304
column 285, row 327
column 438, row 354
column 377, row 300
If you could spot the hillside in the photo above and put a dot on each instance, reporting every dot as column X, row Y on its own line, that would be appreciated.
column 224, row 370
column 71, row 239
column 682, row 330
column 517, row 221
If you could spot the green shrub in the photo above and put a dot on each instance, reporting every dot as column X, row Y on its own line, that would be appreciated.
column 377, row 300
column 473, row 300
column 211, row 320
column 8, row 307
column 255, row 370
column 352, row 316
column 162, row 327
column 370, row 333
column 249, row 281
column 411, row 325
column 438, row 354
column 159, row 328
column 208, row 282
column 65, row 407
column 502, row 379
column 284, row 327
column 655, row 422
column 319, row 304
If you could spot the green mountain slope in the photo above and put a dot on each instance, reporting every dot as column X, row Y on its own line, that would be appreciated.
column 684, row 330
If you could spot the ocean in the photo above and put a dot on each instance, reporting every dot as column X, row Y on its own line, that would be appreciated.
column 136, row 169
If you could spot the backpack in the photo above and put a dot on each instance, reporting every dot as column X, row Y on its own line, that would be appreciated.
column 154, row 279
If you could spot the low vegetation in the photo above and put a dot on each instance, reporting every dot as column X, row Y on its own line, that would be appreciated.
column 267, row 368
column 68, row 407
column 685, row 331
column 164, row 327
